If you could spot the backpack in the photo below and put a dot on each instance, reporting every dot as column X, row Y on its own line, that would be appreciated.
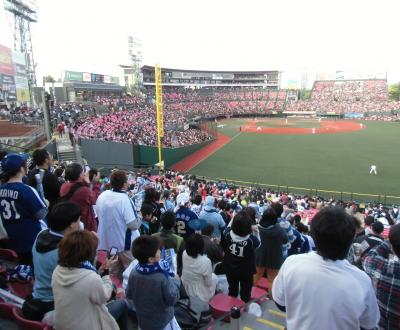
column 192, row 313
column 71, row 192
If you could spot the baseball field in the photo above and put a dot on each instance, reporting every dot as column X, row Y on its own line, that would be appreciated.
column 332, row 157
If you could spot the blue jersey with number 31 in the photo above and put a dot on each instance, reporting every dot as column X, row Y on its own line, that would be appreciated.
column 21, row 208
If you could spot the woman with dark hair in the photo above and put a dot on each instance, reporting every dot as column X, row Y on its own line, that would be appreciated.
column 240, row 241
column 77, row 189
column 152, row 197
column 21, row 208
column 269, row 257
column 80, row 294
column 197, row 276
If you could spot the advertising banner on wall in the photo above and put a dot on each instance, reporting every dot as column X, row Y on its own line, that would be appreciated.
column 107, row 79
column 6, row 65
column 354, row 115
column 18, row 58
column 97, row 78
column 87, row 77
column 23, row 95
column 20, row 76
column 73, row 76
column 21, row 82
column 7, row 88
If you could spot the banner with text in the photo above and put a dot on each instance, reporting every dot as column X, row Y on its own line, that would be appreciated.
column 6, row 65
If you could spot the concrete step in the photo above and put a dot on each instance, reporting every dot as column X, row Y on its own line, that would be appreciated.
column 271, row 319
column 67, row 156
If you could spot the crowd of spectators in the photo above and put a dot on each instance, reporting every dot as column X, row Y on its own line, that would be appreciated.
column 137, row 126
column 132, row 118
column 172, row 233
column 383, row 117
column 348, row 96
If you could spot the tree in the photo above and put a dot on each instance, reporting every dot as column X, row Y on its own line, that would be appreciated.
column 49, row 79
column 305, row 94
column 394, row 92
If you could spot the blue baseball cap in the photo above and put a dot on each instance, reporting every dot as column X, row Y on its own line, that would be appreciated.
column 13, row 161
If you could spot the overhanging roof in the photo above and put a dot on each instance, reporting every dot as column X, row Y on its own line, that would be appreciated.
column 96, row 87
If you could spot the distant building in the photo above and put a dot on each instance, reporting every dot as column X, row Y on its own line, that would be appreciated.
column 84, row 86
column 205, row 78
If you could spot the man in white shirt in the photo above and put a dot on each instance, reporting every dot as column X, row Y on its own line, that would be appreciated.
column 118, row 221
column 322, row 290
column 373, row 170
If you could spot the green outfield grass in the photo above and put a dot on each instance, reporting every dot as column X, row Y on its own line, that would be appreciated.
column 338, row 162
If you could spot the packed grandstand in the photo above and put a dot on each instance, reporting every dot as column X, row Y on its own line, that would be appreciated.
column 183, row 104
column 132, row 119
column 214, row 236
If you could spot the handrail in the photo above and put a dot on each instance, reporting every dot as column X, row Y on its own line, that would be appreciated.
column 14, row 146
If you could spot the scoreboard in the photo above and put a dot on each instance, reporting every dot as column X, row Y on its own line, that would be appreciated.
column 97, row 78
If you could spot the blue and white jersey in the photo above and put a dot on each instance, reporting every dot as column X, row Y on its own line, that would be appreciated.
column 115, row 211
column 21, row 208
column 141, row 183
column 183, row 217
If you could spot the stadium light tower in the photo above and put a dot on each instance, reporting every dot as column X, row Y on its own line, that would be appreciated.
column 24, row 12
column 135, row 55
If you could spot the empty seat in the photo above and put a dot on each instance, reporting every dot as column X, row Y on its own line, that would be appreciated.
column 222, row 304
column 263, row 283
column 6, row 310
column 25, row 324
column 21, row 289
column 258, row 294
column 9, row 255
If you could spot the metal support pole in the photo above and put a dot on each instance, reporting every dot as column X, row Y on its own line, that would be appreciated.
column 160, row 114
column 46, row 116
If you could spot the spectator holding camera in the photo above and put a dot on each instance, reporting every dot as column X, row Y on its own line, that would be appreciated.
column 80, row 293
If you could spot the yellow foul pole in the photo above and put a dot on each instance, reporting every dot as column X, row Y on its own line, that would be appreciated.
column 160, row 113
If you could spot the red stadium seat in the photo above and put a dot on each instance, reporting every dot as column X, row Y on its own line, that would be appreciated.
column 120, row 291
column 258, row 294
column 6, row 310
column 222, row 304
column 21, row 289
column 101, row 258
column 9, row 255
column 25, row 324
column 263, row 283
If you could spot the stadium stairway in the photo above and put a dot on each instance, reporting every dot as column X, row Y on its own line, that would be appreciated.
column 67, row 156
column 271, row 319
column 67, row 152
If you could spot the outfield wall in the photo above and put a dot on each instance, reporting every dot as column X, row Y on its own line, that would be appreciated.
column 108, row 155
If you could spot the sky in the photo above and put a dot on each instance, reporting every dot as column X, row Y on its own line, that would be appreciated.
column 286, row 35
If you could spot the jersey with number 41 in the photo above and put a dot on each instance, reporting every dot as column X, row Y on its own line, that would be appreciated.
column 239, row 252
column 21, row 208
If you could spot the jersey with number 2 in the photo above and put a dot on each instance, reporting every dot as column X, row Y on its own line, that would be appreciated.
column 183, row 217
